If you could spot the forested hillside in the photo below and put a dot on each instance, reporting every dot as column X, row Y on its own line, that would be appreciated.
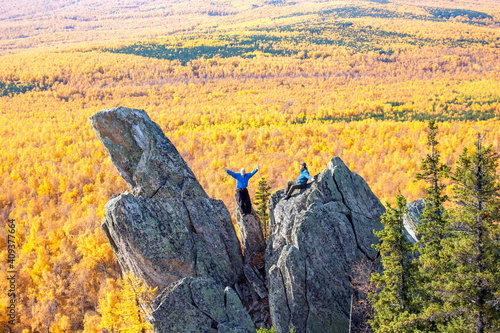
column 232, row 84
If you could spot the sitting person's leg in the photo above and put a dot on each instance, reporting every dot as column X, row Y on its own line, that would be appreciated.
column 295, row 186
column 288, row 185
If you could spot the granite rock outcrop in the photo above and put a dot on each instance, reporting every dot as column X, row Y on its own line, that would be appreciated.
column 317, row 236
column 412, row 219
column 168, row 232
column 171, row 235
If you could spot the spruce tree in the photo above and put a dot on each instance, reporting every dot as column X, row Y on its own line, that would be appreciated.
column 455, row 281
column 394, row 304
column 472, row 293
column 261, row 198
column 432, row 230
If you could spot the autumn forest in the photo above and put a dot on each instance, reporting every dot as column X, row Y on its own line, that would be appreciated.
column 233, row 84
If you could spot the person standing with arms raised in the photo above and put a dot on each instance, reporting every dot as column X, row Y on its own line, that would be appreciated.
column 242, row 196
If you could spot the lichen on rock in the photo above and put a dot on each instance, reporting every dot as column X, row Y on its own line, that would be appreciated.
column 316, row 237
column 171, row 235
column 168, row 232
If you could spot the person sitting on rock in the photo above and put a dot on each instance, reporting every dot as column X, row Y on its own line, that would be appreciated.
column 301, row 181
column 242, row 196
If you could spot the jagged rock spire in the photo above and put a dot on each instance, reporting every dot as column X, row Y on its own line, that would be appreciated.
column 144, row 156
column 316, row 237
column 168, row 232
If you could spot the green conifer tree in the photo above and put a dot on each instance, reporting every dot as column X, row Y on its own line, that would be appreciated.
column 455, row 277
column 394, row 304
column 432, row 230
column 261, row 198
column 472, row 292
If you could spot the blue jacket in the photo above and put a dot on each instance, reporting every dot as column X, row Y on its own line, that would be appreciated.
column 242, row 181
column 304, row 176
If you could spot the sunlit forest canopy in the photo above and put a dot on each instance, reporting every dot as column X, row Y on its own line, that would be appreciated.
column 30, row 23
column 326, row 27
column 233, row 84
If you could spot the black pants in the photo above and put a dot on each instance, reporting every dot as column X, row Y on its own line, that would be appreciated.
column 292, row 186
column 243, row 200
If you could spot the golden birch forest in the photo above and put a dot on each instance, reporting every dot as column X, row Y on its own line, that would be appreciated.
column 232, row 84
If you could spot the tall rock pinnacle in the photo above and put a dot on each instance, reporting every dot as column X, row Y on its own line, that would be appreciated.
column 168, row 232
column 144, row 157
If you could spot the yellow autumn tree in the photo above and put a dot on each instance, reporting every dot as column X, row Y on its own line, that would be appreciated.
column 120, row 306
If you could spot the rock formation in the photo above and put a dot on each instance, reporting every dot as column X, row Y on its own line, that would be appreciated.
column 253, row 288
column 168, row 232
column 171, row 235
column 317, row 236
column 199, row 305
column 412, row 219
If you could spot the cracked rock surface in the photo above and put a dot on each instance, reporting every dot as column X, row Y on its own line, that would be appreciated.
column 168, row 232
column 412, row 219
column 199, row 305
column 171, row 235
column 316, row 237
column 145, row 158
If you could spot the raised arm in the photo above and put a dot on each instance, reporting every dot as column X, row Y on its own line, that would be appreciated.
column 255, row 170
column 231, row 173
